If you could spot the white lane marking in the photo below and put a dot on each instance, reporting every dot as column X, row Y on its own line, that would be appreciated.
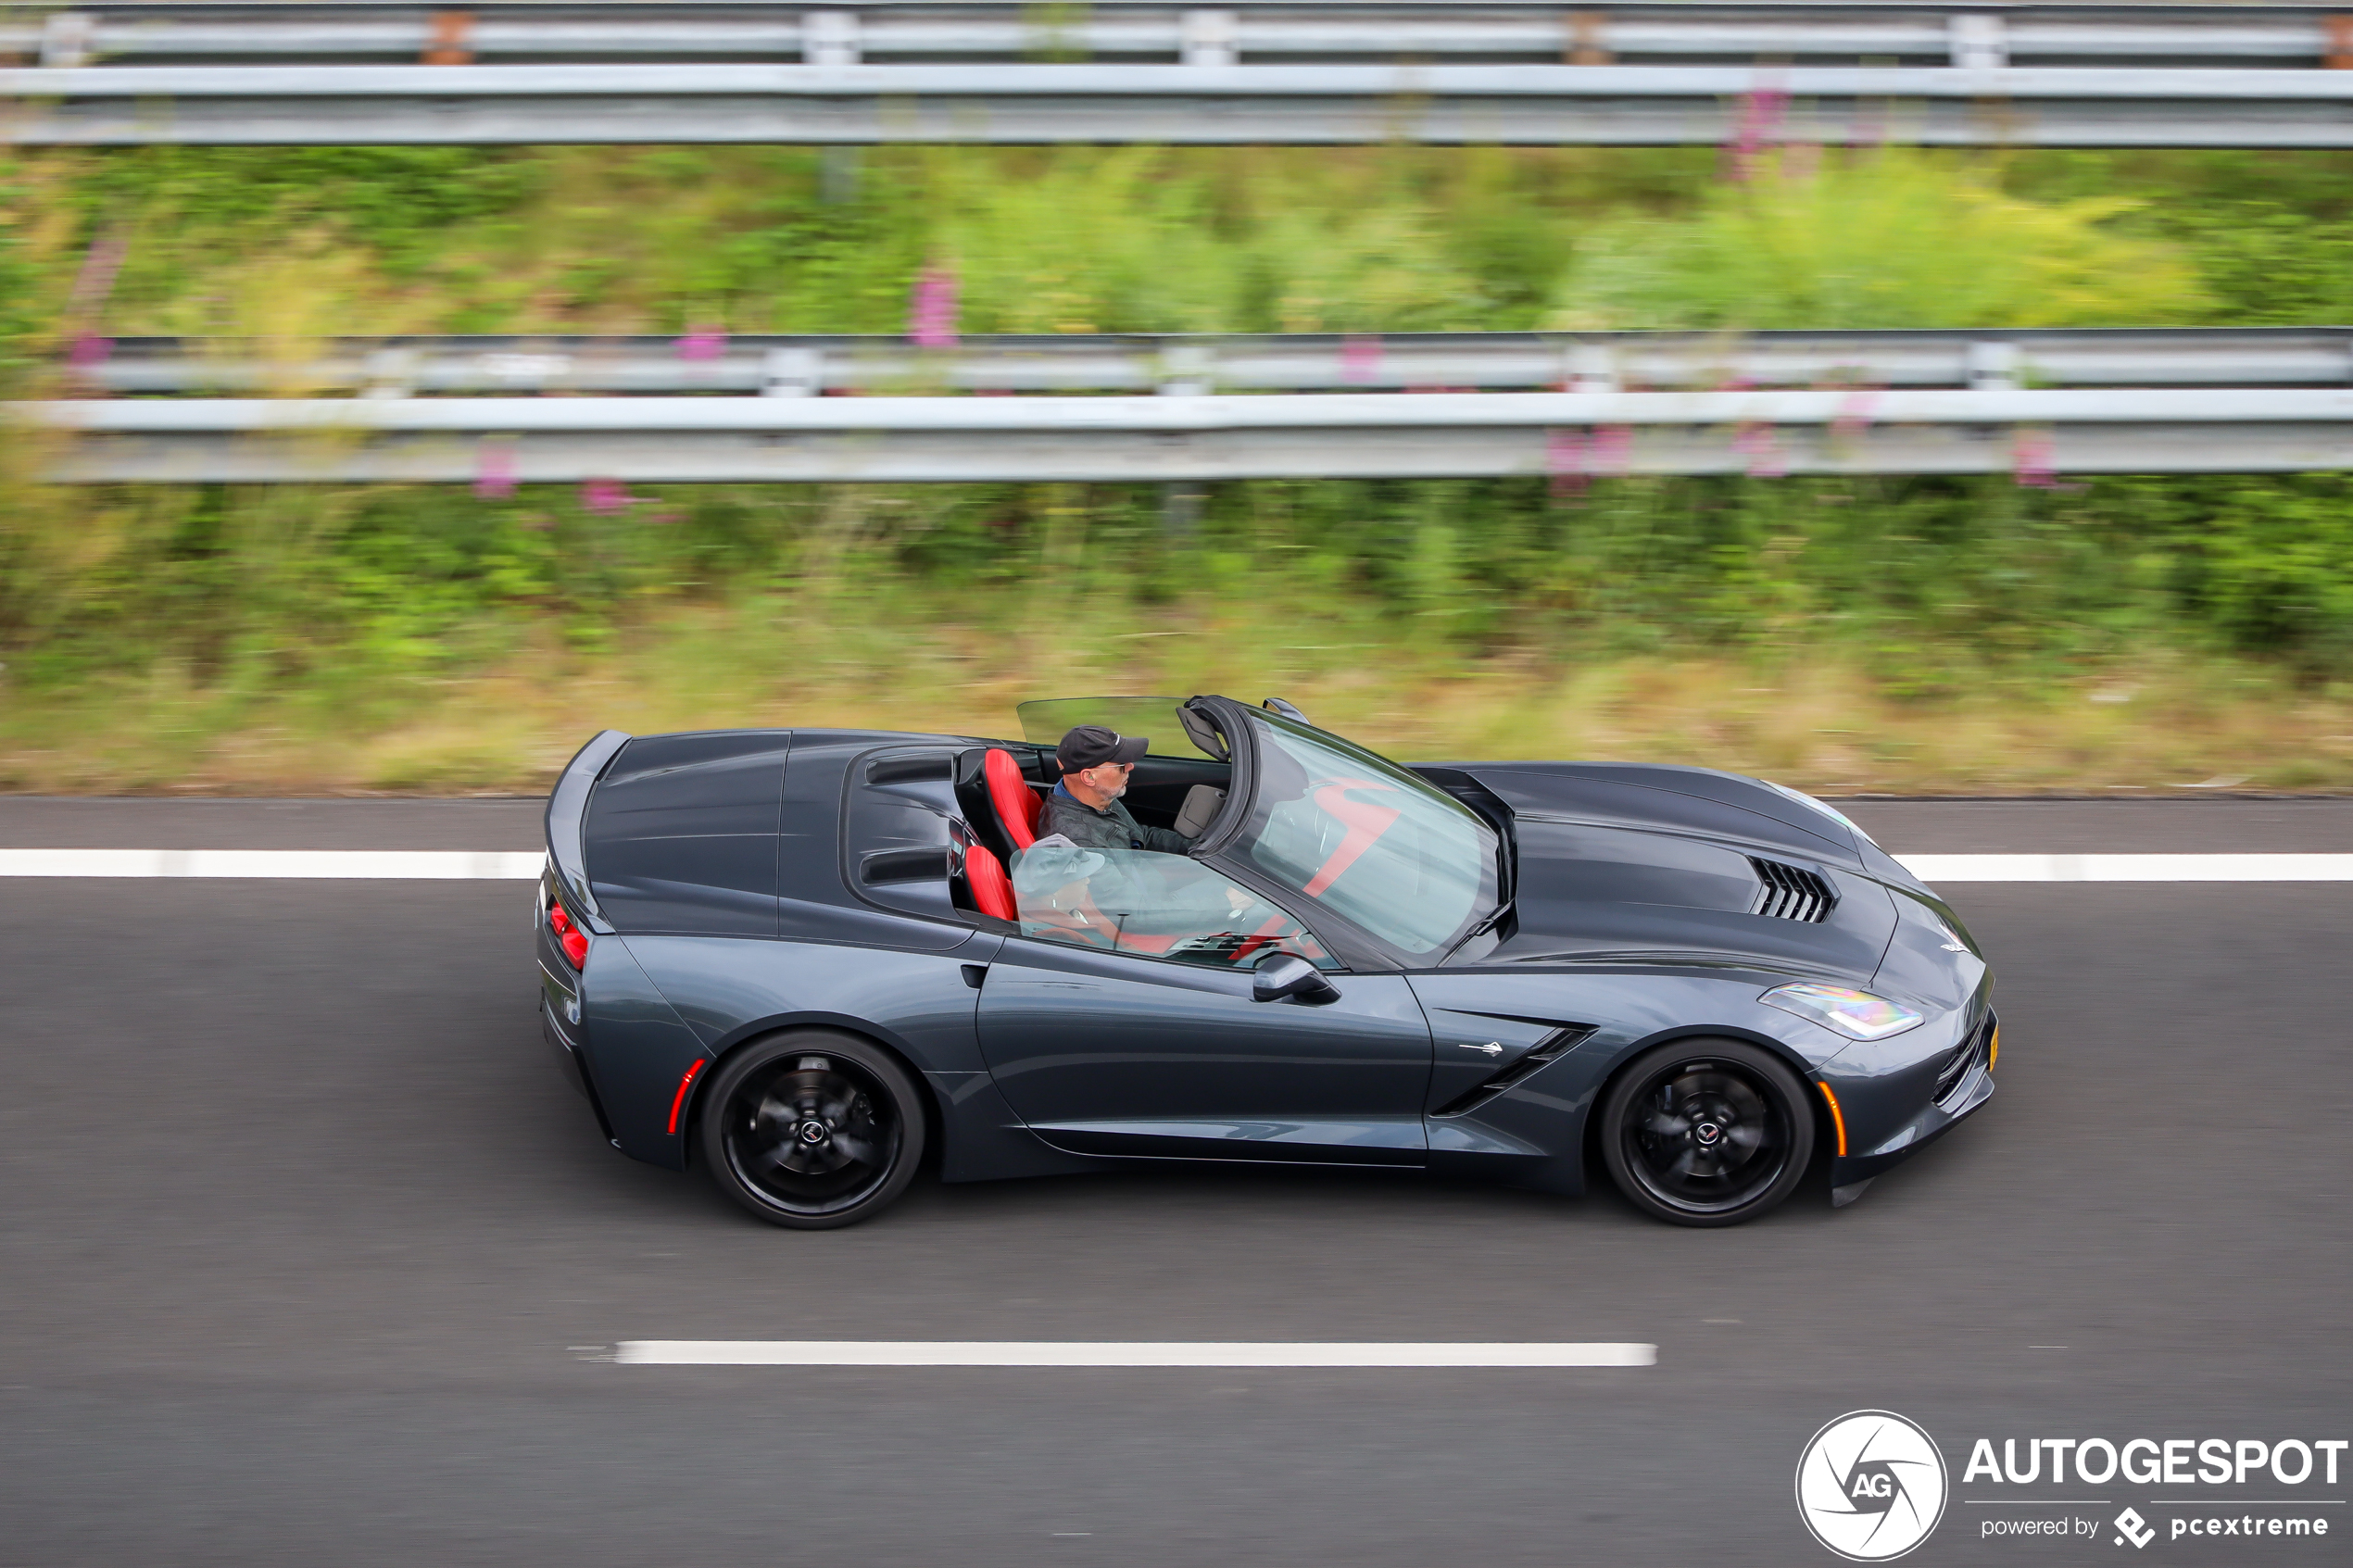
column 512, row 865
column 1120, row 1353
column 2128, row 868
column 418, row 865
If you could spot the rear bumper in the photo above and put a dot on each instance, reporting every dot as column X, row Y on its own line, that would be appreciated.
column 564, row 1052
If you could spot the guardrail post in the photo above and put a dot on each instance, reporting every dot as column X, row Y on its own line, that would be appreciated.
column 1978, row 43
column 1588, row 38
column 1992, row 366
column 1591, row 367
column 2340, row 44
column 451, row 40
column 829, row 38
column 793, row 372
column 1210, row 38
column 391, row 372
column 68, row 39
column 1185, row 370
column 1180, row 506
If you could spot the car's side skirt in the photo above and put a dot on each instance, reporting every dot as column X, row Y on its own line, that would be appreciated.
column 1368, row 1141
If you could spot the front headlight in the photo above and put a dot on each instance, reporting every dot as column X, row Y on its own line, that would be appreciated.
column 1859, row 1015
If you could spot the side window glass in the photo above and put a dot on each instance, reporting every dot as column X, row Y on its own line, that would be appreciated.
column 1153, row 905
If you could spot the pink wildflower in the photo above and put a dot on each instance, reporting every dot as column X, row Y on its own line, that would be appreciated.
column 1613, row 449
column 1759, row 124
column 1564, row 452
column 606, row 497
column 701, row 344
column 932, row 321
column 1761, row 444
column 2031, row 454
column 495, row 473
column 1854, row 415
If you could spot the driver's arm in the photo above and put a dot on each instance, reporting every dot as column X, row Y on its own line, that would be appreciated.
column 1166, row 841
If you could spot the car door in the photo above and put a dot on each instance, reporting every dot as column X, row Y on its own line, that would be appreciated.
column 1121, row 1022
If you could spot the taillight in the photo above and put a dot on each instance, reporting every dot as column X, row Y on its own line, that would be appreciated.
column 570, row 937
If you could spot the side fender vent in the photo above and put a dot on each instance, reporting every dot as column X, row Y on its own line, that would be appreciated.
column 1792, row 893
column 1547, row 1051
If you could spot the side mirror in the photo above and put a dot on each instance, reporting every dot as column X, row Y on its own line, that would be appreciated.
column 1289, row 976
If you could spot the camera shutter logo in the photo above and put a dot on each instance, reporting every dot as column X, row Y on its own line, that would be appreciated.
column 1871, row 1485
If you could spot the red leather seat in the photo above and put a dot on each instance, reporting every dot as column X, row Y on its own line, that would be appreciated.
column 1016, row 804
column 992, row 889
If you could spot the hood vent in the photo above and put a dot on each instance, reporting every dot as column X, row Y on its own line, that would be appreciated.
column 1789, row 893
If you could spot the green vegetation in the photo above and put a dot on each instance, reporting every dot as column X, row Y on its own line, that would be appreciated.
column 1856, row 633
column 268, row 243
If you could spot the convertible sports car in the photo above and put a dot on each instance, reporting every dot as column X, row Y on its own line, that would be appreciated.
column 809, row 959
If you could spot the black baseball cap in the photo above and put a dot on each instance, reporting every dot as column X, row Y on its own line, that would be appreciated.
column 1091, row 746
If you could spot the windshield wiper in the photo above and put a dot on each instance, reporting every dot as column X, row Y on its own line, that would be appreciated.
column 1487, row 923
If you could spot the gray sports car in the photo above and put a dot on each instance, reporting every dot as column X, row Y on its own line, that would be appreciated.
column 810, row 960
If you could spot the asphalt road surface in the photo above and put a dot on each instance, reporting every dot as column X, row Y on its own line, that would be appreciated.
column 308, row 1257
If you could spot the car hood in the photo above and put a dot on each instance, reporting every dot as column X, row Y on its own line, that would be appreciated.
column 1620, row 861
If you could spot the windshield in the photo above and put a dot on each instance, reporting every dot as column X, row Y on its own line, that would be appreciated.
column 1044, row 723
column 1365, row 838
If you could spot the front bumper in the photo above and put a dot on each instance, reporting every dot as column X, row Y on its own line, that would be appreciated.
column 1853, row 1168
column 1933, row 1114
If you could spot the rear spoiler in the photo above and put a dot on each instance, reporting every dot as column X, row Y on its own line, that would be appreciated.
column 567, row 815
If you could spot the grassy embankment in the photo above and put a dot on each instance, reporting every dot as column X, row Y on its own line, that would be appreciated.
column 1876, row 633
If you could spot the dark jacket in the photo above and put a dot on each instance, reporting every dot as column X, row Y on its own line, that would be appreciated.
column 1111, row 828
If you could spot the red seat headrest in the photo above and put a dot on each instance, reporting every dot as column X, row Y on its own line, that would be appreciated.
column 1016, row 804
column 992, row 889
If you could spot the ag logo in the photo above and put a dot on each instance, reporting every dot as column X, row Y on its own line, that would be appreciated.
column 1871, row 1486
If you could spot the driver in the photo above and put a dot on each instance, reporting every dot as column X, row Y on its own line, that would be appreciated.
column 1085, row 808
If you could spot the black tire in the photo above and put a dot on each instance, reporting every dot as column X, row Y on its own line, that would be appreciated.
column 1707, row 1131
column 812, row 1130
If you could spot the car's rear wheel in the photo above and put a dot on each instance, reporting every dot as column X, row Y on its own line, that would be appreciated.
column 813, row 1129
column 1707, row 1131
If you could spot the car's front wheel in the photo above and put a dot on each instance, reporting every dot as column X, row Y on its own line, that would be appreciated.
column 1707, row 1131
column 812, row 1129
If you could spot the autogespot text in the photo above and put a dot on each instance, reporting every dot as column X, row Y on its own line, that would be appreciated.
column 2155, row 1462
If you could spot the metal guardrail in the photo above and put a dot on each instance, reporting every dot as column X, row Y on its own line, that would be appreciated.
column 2177, row 402
column 993, row 31
column 1286, row 70
column 798, row 366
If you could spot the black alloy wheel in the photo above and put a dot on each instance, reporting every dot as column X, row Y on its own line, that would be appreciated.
column 1707, row 1131
column 812, row 1129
